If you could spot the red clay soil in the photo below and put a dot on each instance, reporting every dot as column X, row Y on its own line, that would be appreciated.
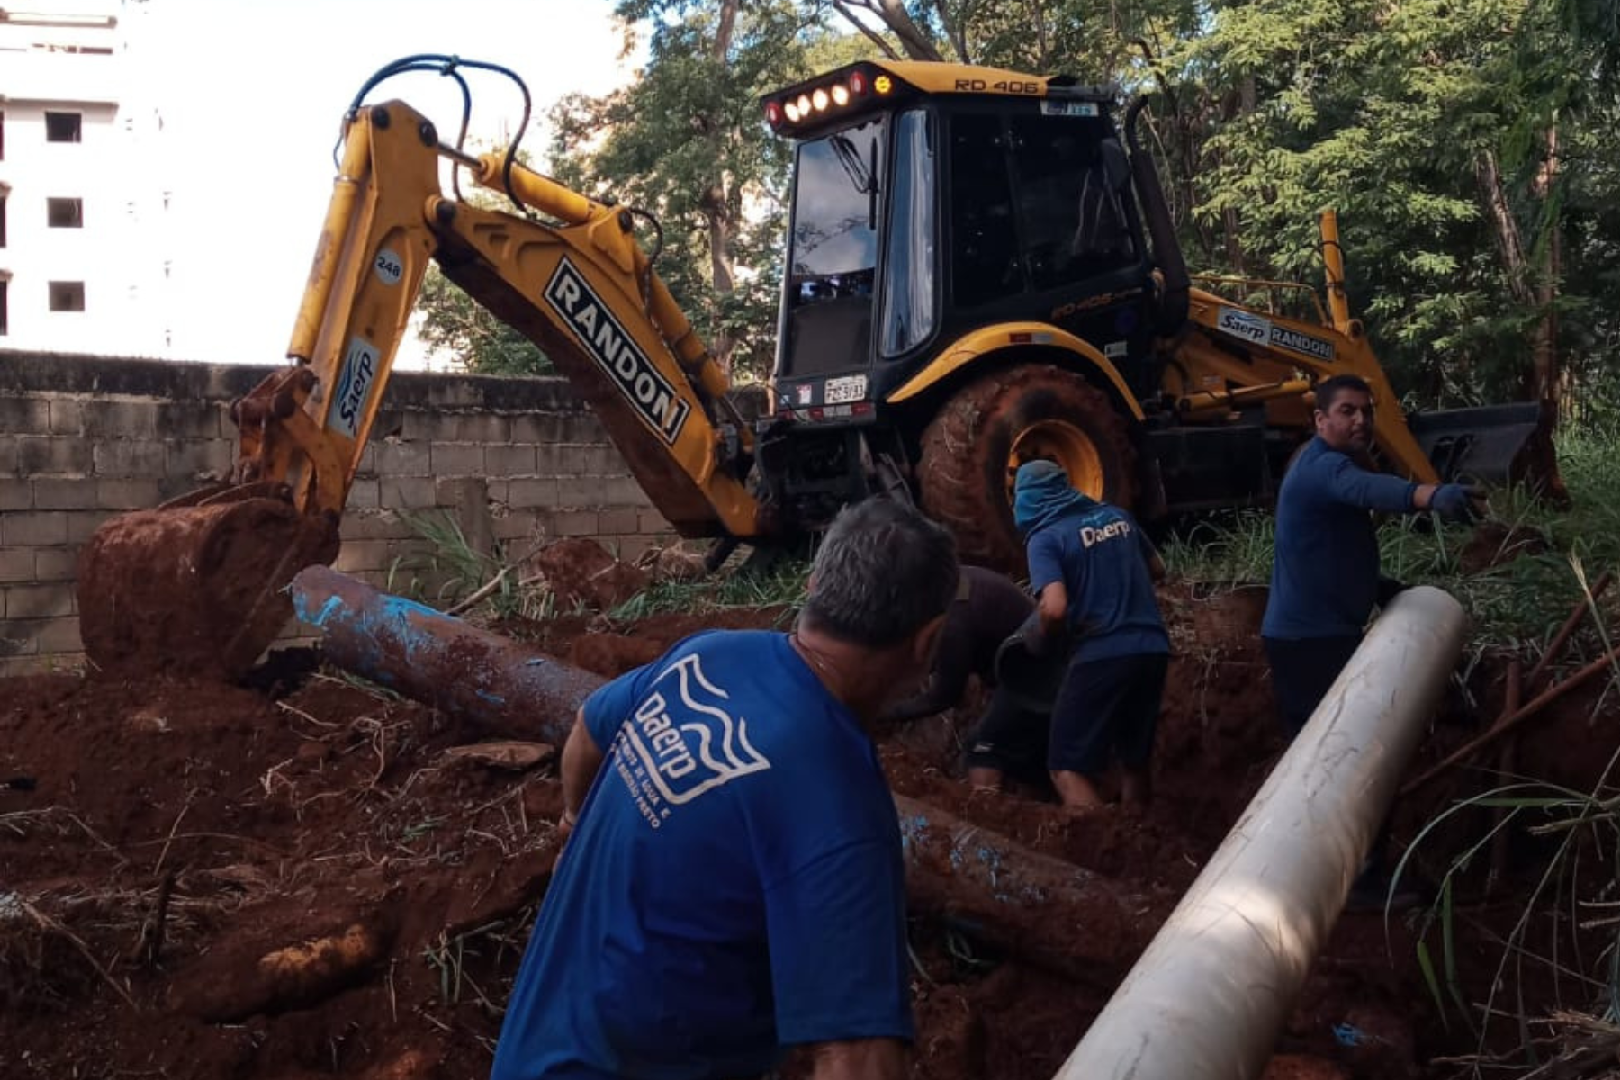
column 194, row 590
column 214, row 882
column 579, row 571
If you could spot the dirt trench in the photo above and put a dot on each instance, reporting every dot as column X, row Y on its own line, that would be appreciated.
column 297, row 880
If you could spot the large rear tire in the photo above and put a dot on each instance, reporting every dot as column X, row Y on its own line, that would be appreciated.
column 973, row 447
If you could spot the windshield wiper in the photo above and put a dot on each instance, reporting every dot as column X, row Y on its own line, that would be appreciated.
column 854, row 167
column 864, row 177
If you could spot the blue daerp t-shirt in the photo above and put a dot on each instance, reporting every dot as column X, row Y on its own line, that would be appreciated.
column 1324, row 576
column 734, row 884
column 1101, row 556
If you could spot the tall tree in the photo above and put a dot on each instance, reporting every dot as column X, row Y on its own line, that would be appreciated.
column 916, row 38
column 687, row 143
column 452, row 322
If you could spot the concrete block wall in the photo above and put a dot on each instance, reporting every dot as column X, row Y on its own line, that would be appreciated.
column 512, row 462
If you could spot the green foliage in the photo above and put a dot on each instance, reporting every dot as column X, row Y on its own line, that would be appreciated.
column 452, row 322
column 687, row 144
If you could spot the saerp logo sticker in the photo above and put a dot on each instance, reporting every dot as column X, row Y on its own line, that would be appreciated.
column 612, row 347
column 682, row 741
column 1242, row 324
column 354, row 388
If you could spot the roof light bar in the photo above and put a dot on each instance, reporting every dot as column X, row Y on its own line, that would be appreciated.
column 816, row 102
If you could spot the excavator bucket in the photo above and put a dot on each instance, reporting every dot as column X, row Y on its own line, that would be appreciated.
column 196, row 586
column 1492, row 446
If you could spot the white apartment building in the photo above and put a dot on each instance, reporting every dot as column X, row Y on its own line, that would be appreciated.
column 84, row 256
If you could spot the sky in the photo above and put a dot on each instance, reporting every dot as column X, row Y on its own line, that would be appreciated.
column 252, row 92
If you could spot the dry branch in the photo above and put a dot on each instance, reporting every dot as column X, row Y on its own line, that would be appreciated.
column 1512, row 722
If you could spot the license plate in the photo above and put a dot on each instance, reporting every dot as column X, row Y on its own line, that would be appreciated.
column 845, row 388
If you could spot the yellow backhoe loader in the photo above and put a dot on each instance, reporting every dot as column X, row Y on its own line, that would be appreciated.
column 980, row 269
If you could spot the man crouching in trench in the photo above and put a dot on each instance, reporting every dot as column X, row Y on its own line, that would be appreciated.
column 734, row 883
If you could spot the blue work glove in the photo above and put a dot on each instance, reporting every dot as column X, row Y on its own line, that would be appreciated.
column 1455, row 504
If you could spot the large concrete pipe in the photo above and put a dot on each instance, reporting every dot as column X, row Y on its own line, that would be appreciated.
column 1209, row 996
column 1053, row 912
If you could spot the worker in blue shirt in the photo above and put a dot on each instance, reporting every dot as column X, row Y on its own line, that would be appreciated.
column 1093, row 569
column 1325, row 576
column 733, row 884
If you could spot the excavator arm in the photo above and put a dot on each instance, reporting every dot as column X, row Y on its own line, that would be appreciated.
column 1233, row 355
column 1263, row 356
column 575, row 282
column 199, row 583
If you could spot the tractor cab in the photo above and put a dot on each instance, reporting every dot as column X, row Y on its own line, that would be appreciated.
column 929, row 201
column 941, row 217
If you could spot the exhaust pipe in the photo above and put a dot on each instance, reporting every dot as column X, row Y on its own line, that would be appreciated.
column 1219, row 981
column 1173, row 303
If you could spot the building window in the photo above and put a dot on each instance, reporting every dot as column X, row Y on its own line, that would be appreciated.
column 64, row 213
column 2, row 136
column 2, row 218
column 3, row 284
column 63, row 126
column 67, row 296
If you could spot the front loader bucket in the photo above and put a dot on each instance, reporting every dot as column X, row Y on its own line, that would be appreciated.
column 1493, row 446
column 197, row 587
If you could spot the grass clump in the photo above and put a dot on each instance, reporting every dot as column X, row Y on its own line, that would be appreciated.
column 781, row 585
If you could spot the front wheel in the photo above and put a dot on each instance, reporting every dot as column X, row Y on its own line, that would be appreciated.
column 974, row 445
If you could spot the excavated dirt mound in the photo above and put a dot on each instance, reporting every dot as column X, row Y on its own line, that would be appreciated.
column 297, row 880
column 195, row 589
column 581, row 572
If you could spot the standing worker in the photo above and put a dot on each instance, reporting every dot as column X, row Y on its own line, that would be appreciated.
column 1010, row 737
column 1093, row 569
column 1325, row 577
column 734, row 884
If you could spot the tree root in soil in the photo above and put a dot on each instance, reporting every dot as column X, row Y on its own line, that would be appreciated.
column 223, row 989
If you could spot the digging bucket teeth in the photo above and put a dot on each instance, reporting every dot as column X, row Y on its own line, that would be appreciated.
column 1492, row 446
column 196, row 587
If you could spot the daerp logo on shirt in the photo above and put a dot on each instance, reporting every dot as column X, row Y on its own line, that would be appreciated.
column 1093, row 534
column 687, row 741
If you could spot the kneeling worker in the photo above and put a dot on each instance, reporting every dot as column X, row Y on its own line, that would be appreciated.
column 1093, row 569
column 1010, row 737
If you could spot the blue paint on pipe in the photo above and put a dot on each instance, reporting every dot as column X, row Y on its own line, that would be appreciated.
column 332, row 607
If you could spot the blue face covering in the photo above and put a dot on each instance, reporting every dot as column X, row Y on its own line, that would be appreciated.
column 1042, row 495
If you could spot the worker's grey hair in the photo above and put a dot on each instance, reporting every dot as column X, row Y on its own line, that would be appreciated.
column 882, row 573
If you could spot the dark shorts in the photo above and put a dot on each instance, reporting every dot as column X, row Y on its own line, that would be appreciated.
column 1107, row 709
column 1011, row 738
column 1302, row 672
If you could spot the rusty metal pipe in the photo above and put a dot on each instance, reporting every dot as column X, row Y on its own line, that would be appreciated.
column 487, row 680
column 1043, row 908
column 1051, row 912
column 1211, row 993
